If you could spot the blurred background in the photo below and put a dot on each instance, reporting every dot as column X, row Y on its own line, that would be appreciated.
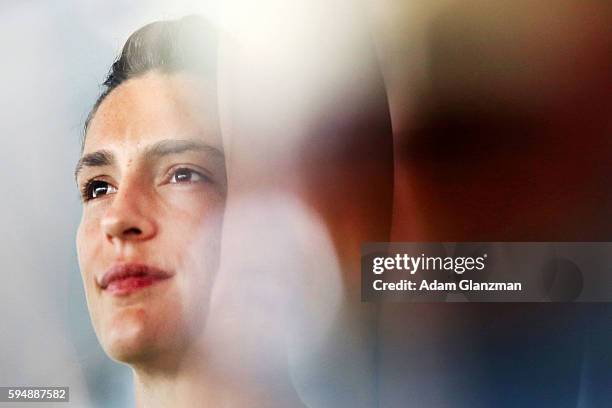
column 501, row 115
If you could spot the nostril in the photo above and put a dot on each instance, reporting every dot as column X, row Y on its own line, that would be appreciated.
column 132, row 231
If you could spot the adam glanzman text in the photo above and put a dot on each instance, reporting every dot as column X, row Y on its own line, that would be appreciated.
column 414, row 264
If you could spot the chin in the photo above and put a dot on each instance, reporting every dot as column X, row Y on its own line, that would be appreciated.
column 131, row 338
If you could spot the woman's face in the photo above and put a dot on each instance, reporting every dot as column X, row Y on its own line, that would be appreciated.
column 153, row 181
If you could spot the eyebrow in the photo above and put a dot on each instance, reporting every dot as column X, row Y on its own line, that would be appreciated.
column 167, row 147
column 162, row 148
column 95, row 159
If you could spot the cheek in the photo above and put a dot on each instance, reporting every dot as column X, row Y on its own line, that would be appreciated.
column 191, row 216
column 193, row 230
column 86, row 241
column 87, row 245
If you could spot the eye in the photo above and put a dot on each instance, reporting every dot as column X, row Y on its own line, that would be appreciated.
column 186, row 175
column 97, row 188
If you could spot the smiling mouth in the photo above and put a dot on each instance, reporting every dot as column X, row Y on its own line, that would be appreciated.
column 124, row 279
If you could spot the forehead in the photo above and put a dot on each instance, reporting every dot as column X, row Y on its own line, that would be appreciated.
column 153, row 107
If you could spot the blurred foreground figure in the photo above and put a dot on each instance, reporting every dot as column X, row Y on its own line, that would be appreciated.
column 501, row 114
column 309, row 133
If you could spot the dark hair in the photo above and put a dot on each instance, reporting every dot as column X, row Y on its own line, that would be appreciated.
column 185, row 45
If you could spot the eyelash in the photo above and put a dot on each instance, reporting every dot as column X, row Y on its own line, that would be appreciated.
column 88, row 189
column 203, row 177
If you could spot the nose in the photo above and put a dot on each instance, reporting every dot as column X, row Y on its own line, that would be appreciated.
column 129, row 218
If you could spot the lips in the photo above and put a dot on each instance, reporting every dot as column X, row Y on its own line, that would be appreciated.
column 123, row 279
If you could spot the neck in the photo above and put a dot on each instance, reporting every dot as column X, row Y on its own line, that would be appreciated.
column 193, row 383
